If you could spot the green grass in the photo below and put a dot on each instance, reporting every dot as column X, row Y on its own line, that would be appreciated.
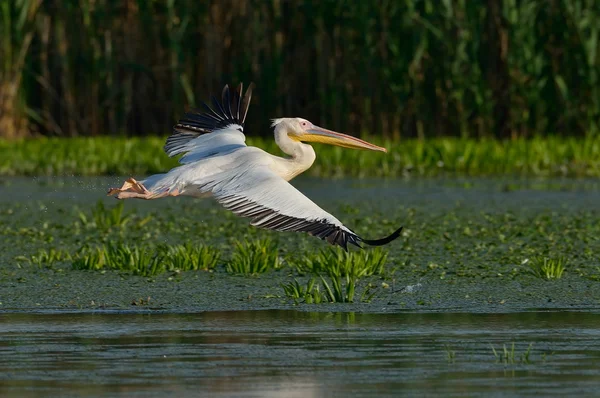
column 548, row 268
column 254, row 257
column 549, row 156
column 336, row 262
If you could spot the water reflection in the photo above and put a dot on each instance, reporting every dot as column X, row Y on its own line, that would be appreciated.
column 289, row 353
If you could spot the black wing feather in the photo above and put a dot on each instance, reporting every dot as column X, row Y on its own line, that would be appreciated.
column 226, row 101
column 219, row 108
column 264, row 217
column 245, row 103
column 237, row 100
column 231, row 110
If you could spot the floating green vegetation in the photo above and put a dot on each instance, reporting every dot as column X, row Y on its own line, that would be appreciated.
column 254, row 257
column 336, row 262
column 508, row 356
column 539, row 156
column 548, row 268
column 147, row 261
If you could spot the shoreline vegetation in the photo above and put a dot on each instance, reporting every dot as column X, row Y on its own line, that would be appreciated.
column 552, row 156
column 413, row 68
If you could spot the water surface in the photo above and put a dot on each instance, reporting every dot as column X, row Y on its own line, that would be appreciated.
column 458, row 287
column 290, row 353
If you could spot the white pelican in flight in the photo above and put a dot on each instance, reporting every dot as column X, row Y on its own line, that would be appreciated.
column 247, row 180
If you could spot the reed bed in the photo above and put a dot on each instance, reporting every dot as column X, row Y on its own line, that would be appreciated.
column 539, row 156
column 415, row 68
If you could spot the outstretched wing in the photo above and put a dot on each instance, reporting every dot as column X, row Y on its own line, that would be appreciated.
column 203, row 133
column 273, row 203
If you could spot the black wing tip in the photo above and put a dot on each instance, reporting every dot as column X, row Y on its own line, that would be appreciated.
column 383, row 241
column 221, row 114
column 245, row 102
column 197, row 122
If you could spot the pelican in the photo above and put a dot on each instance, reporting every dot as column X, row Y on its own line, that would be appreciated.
column 250, row 182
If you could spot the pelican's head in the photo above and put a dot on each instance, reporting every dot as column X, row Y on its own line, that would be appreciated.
column 302, row 130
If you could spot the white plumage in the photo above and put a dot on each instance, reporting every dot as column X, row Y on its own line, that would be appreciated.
column 246, row 180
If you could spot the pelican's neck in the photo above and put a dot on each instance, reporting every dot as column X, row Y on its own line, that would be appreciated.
column 302, row 156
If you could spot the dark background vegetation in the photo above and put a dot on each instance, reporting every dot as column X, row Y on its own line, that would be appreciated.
column 408, row 68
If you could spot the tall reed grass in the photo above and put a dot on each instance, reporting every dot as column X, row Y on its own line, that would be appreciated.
column 397, row 68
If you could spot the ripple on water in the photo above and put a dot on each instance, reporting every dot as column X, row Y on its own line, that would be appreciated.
column 288, row 353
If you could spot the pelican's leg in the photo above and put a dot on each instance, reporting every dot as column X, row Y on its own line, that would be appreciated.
column 133, row 189
column 128, row 186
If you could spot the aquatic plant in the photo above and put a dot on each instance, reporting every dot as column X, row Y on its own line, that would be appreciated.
column 90, row 259
column 105, row 218
column 450, row 354
column 47, row 258
column 121, row 257
column 147, row 261
column 336, row 262
column 339, row 272
column 337, row 290
column 508, row 355
column 253, row 257
column 191, row 257
column 309, row 293
column 548, row 268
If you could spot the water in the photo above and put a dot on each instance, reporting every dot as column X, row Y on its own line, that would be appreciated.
column 74, row 333
column 290, row 353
